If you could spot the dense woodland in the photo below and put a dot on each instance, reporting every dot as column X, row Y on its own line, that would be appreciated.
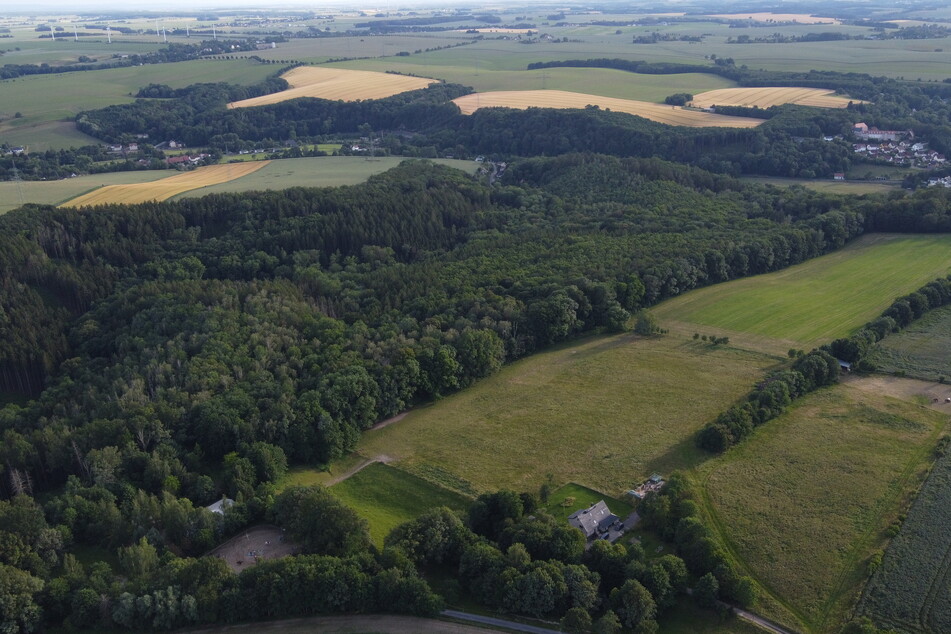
column 155, row 357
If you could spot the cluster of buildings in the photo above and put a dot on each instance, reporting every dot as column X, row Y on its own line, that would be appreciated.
column 903, row 153
column 944, row 181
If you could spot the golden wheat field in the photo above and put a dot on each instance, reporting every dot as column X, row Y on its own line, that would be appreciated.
column 337, row 84
column 671, row 115
column 167, row 187
column 769, row 96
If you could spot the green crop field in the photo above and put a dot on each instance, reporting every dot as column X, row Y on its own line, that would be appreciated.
column 320, row 171
column 805, row 501
column 52, row 135
column 605, row 412
column 910, row 590
column 44, row 98
column 56, row 192
column 922, row 350
column 811, row 303
column 386, row 497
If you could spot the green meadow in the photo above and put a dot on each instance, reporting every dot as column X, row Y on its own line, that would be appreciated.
column 387, row 497
column 819, row 300
column 805, row 501
column 922, row 350
column 604, row 412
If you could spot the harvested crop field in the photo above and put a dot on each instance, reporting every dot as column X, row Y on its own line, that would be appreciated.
column 764, row 97
column 167, row 187
column 671, row 115
column 337, row 84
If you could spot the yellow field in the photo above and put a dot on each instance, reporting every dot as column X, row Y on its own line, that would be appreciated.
column 167, row 187
column 671, row 115
column 801, row 18
column 337, row 84
column 769, row 96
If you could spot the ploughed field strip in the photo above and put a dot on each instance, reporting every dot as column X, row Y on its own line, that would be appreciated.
column 671, row 115
column 337, row 84
column 764, row 97
column 167, row 187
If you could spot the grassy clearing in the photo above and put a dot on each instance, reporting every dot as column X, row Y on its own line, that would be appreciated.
column 910, row 590
column 56, row 192
column 671, row 115
column 320, row 171
column 818, row 300
column 856, row 187
column 805, row 501
column 387, row 497
column 337, row 84
column 923, row 350
column 605, row 412
column 167, row 187
column 766, row 97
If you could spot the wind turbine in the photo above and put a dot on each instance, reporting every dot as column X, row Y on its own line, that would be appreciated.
column 75, row 33
column 214, row 33
column 53, row 32
column 109, row 33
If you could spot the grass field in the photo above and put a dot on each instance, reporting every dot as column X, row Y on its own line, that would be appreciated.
column 671, row 115
column 387, row 497
column 766, row 97
column 856, row 187
column 337, row 84
column 923, row 350
column 572, row 497
column 813, row 302
column 321, row 171
column 56, row 192
column 604, row 412
column 165, row 188
column 802, row 18
column 805, row 501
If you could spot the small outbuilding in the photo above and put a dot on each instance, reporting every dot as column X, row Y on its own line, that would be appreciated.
column 220, row 506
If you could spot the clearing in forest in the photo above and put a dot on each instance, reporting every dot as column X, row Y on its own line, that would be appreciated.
column 671, row 115
column 811, row 303
column 167, row 187
column 764, row 97
column 337, row 84
column 806, row 500
column 801, row 18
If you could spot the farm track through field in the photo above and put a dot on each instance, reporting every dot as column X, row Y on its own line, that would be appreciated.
column 661, row 113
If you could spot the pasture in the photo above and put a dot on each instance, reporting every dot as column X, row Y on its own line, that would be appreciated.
column 769, row 96
column 337, row 84
column 59, row 191
column 671, row 115
column 320, row 171
column 165, row 188
column 804, row 502
column 829, row 186
column 922, row 350
column 816, row 301
column 603, row 412
column 386, row 497
column 910, row 590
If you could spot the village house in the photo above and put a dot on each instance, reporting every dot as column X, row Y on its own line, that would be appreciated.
column 594, row 521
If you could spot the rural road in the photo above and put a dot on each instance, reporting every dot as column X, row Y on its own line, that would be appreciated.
column 363, row 465
column 767, row 625
column 488, row 620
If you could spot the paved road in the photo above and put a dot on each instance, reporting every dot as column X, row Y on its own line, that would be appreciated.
column 494, row 622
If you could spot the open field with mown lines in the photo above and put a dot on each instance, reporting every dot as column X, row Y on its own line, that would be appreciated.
column 337, row 84
column 814, row 302
column 165, row 188
column 604, row 412
column 857, row 187
column 805, row 501
column 922, row 350
column 769, row 96
column 671, row 115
